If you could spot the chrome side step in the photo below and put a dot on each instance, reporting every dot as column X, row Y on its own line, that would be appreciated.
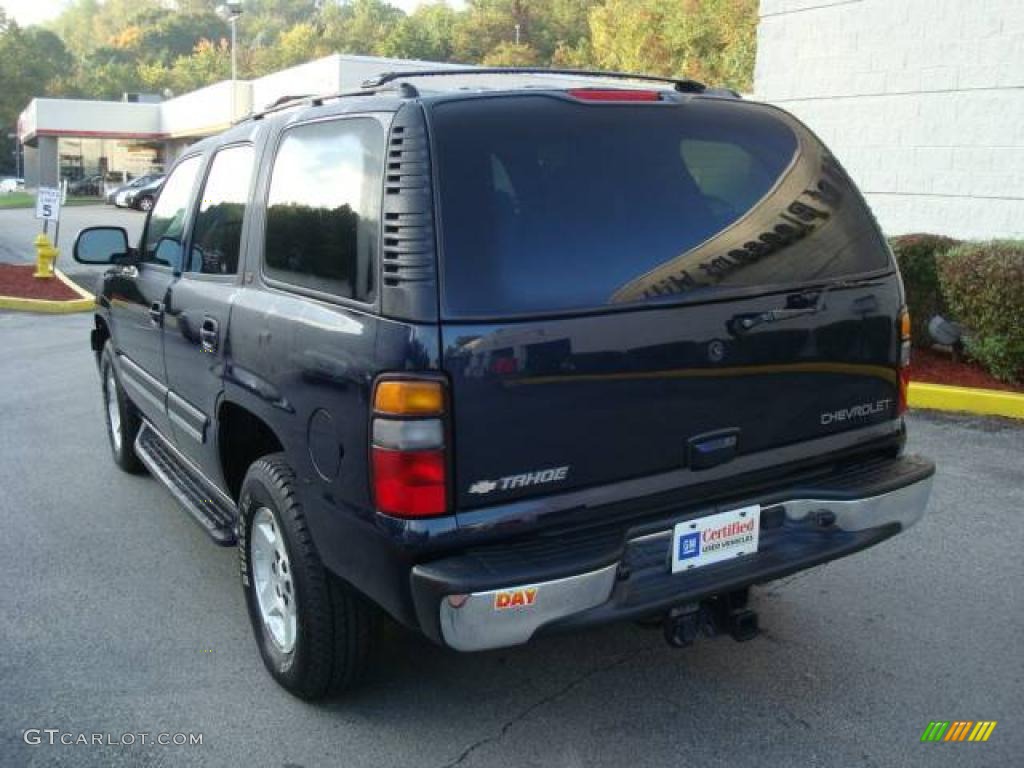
column 214, row 513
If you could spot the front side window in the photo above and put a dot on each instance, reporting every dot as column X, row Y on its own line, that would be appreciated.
column 217, row 234
column 165, row 230
column 323, row 209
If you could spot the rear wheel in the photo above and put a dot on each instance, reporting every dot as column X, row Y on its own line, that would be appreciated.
column 312, row 629
column 145, row 204
column 122, row 418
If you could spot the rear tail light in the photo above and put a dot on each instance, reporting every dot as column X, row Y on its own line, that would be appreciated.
column 904, row 359
column 409, row 398
column 409, row 483
column 408, row 451
column 613, row 94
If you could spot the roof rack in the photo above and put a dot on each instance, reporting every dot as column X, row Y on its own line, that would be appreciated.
column 281, row 101
column 404, row 90
column 681, row 85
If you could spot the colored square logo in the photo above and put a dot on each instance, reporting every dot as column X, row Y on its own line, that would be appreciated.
column 689, row 546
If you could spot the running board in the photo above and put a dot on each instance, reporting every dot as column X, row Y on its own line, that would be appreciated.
column 215, row 513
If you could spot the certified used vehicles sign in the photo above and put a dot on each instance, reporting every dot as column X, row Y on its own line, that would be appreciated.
column 711, row 539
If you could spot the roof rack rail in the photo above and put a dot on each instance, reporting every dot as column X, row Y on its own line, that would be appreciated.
column 681, row 85
column 282, row 103
column 404, row 90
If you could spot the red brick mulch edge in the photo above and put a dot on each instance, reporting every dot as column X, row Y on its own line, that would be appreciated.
column 932, row 367
column 16, row 280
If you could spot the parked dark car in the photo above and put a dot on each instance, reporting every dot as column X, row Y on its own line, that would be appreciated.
column 140, row 181
column 86, row 187
column 140, row 197
column 507, row 361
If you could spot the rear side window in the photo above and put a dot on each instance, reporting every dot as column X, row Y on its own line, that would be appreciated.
column 217, row 233
column 323, row 210
column 165, row 229
column 549, row 205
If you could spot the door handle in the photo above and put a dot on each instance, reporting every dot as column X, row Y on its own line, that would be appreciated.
column 209, row 335
column 156, row 312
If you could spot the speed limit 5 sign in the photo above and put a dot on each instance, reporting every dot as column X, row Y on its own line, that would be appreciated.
column 48, row 204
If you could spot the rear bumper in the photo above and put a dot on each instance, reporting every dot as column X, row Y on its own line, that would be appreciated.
column 487, row 599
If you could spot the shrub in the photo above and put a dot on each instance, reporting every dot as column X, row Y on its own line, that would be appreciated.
column 983, row 284
column 915, row 255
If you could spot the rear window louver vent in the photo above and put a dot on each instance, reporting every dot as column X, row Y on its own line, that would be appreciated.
column 409, row 260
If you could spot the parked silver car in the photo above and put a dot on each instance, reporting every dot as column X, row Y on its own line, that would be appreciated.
column 111, row 197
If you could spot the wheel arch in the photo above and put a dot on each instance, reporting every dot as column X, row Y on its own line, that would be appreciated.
column 242, row 438
column 99, row 336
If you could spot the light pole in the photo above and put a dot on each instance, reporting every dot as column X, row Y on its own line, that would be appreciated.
column 231, row 10
column 17, row 154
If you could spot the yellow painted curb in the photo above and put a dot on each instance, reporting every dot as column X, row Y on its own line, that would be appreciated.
column 989, row 402
column 85, row 303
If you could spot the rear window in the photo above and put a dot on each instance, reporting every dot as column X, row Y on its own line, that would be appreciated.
column 549, row 205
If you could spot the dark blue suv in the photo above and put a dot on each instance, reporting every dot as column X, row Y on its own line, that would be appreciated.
column 511, row 358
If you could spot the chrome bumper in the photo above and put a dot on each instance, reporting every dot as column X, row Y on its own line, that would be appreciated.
column 511, row 615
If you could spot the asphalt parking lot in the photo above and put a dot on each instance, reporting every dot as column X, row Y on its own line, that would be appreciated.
column 121, row 617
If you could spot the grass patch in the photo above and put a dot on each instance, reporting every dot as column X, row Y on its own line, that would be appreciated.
column 25, row 200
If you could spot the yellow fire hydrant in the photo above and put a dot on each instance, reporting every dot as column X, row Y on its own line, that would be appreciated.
column 46, row 255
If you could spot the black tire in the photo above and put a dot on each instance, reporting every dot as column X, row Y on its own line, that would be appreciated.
column 144, row 204
column 121, row 435
column 333, row 623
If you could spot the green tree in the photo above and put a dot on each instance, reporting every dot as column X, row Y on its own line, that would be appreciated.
column 33, row 62
column 165, row 37
column 208, row 63
column 710, row 40
column 106, row 73
column 512, row 55
column 86, row 25
column 127, row 45
column 298, row 44
column 425, row 34
column 543, row 25
column 359, row 26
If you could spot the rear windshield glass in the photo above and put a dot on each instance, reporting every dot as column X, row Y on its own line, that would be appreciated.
column 551, row 205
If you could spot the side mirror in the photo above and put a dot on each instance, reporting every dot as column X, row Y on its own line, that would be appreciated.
column 101, row 245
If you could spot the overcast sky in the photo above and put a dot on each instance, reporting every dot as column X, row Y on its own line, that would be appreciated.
column 35, row 11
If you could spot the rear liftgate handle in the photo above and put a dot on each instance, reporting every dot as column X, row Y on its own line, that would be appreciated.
column 712, row 448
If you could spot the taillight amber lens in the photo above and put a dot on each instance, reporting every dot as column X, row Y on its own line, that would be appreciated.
column 904, row 359
column 409, row 398
column 905, row 325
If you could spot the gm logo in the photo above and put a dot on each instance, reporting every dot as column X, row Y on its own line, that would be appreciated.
column 958, row 730
column 689, row 546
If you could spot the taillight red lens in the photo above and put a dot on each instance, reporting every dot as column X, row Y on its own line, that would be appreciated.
column 613, row 94
column 904, row 385
column 409, row 483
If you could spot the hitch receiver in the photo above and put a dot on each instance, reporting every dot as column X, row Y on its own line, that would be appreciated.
column 716, row 615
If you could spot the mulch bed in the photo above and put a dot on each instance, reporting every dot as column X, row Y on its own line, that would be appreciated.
column 16, row 280
column 933, row 367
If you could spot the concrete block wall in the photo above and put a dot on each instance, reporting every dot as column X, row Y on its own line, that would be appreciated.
column 921, row 100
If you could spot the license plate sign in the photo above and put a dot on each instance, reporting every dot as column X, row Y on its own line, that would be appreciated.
column 712, row 539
